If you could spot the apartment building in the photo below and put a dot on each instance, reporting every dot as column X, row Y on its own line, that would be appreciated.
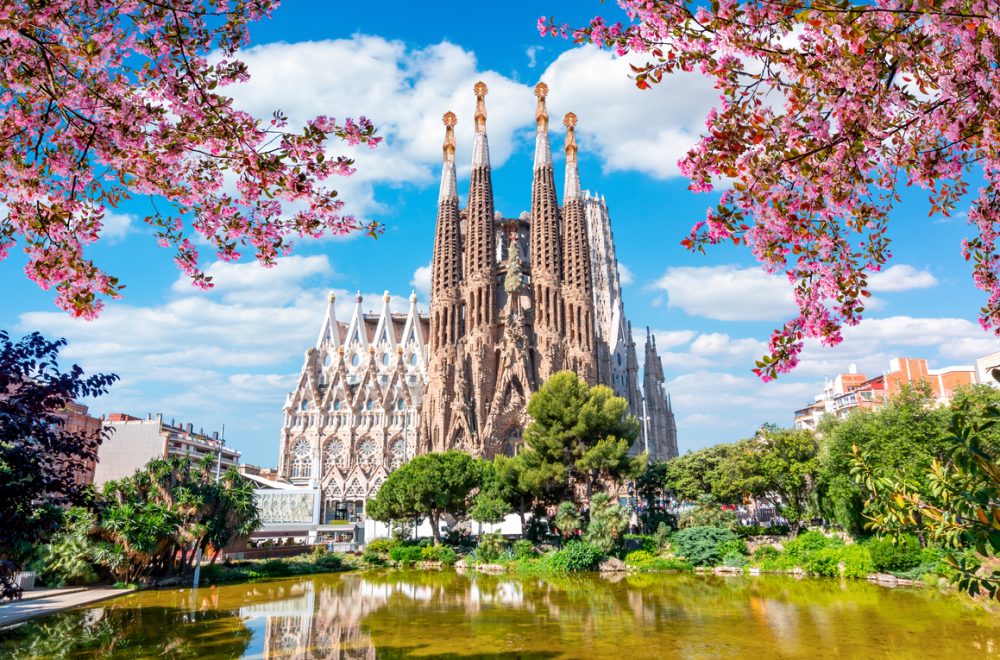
column 134, row 441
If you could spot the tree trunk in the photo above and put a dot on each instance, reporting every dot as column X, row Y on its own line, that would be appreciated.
column 435, row 530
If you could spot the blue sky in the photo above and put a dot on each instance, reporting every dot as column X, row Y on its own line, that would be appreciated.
column 230, row 355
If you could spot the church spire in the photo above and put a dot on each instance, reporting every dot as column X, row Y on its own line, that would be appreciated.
column 546, row 252
column 446, row 264
column 543, row 152
column 480, row 234
column 449, row 187
column 572, row 188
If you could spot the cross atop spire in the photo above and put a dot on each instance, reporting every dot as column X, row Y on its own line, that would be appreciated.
column 541, row 112
column 480, row 89
column 572, row 188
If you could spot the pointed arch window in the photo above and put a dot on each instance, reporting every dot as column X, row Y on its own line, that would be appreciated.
column 333, row 454
column 301, row 459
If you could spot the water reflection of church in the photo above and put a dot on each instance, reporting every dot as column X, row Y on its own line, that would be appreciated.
column 513, row 300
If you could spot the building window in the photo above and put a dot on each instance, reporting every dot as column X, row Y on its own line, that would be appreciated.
column 369, row 404
column 336, row 404
column 356, row 360
column 366, row 451
column 304, row 405
column 333, row 454
column 400, row 404
column 385, row 358
column 413, row 359
column 301, row 459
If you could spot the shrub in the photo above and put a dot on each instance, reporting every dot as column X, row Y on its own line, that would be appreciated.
column 490, row 547
column 523, row 549
column 608, row 520
column 406, row 554
column 382, row 546
column 700, row 545
column 639, row 558
column 765, row 553
column 734, row 547
column 326, row 560
column 890, row 557
column 823, row 562
column 734, row 560
column 671, row 564
column 576, row 556
column 803, row 545
column 641, row 542
column 275, row 568
column 373, row 558
column 857, row 561
column 441, row 553
column 749, row 531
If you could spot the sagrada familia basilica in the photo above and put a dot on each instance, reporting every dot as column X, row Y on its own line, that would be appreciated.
column 513, row 301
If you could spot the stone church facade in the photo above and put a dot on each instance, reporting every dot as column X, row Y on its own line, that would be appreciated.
column 513, row 301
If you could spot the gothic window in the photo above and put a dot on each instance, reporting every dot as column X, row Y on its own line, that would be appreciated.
column 369, row 404
column 355, row 489
column 327, row 360
column 398, row 451
column 413, row 359
column 301, row 459
column 366, row 451
column 355, row 360
column 304, row 405
column 333, row 454
column 385, row 358
column 400, row 404
column 336, row 404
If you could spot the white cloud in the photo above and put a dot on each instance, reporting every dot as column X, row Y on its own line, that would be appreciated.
column 672, row 338
column 421, row 281
column 116, row 226
column 625, row 274
column 228, row 355
column 251, row 283
column 532, row 53
column 727, row 293
column 901, row 277
column 630, row 129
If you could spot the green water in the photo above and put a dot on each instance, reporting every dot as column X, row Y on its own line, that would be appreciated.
column 429, row 614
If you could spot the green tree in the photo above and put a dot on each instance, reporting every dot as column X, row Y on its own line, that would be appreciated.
column 608, row 521
column 651, row 489
column 155, row 521
column 904, row 436
column 568, row 519
column 956, row 504
column 39, row 457
column 693, row 474
column 430, row 486
column 579, row 435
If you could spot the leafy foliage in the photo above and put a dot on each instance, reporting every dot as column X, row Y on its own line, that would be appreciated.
column 578, row 435
column 700, row 545
column 957, row 505
column 39, row 456
column 490, row 547
column 608, row 521
column 430, row 485
column 106, row 101
column 816, row 154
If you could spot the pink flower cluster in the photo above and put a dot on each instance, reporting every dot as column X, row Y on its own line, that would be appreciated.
column 827, row 110
column 103, row 101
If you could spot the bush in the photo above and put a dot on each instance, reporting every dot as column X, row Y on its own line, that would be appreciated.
column 382, row 546
column 490, row 547
column 275, row 568
column 803, row 545
column 734, row 560
column 641, row 542
column 639, row 558
column 671, row 564
column 700, row 545
column 857, row 561
column 734, row 547
column 441, row 553
column 765, row 553
column 406, row 554
column 576, row 556
column 373, row 558
column 524, row 549
column 891, row 557
column 823, row 562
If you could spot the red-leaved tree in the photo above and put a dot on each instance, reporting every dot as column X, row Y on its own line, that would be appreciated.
column 104, row 100
column 828, row 108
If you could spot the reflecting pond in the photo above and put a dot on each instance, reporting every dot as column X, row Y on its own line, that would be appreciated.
column 401, row 614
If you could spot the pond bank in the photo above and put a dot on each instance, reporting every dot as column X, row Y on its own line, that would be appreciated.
column 43, row 602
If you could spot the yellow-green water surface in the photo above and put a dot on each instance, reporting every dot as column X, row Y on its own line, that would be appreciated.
column 430, row 614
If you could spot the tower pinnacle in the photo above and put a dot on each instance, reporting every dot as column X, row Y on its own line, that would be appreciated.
column 543, row 153
column 572, row 188
column 480, row 89
column 449, row 186
column 480, row 146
